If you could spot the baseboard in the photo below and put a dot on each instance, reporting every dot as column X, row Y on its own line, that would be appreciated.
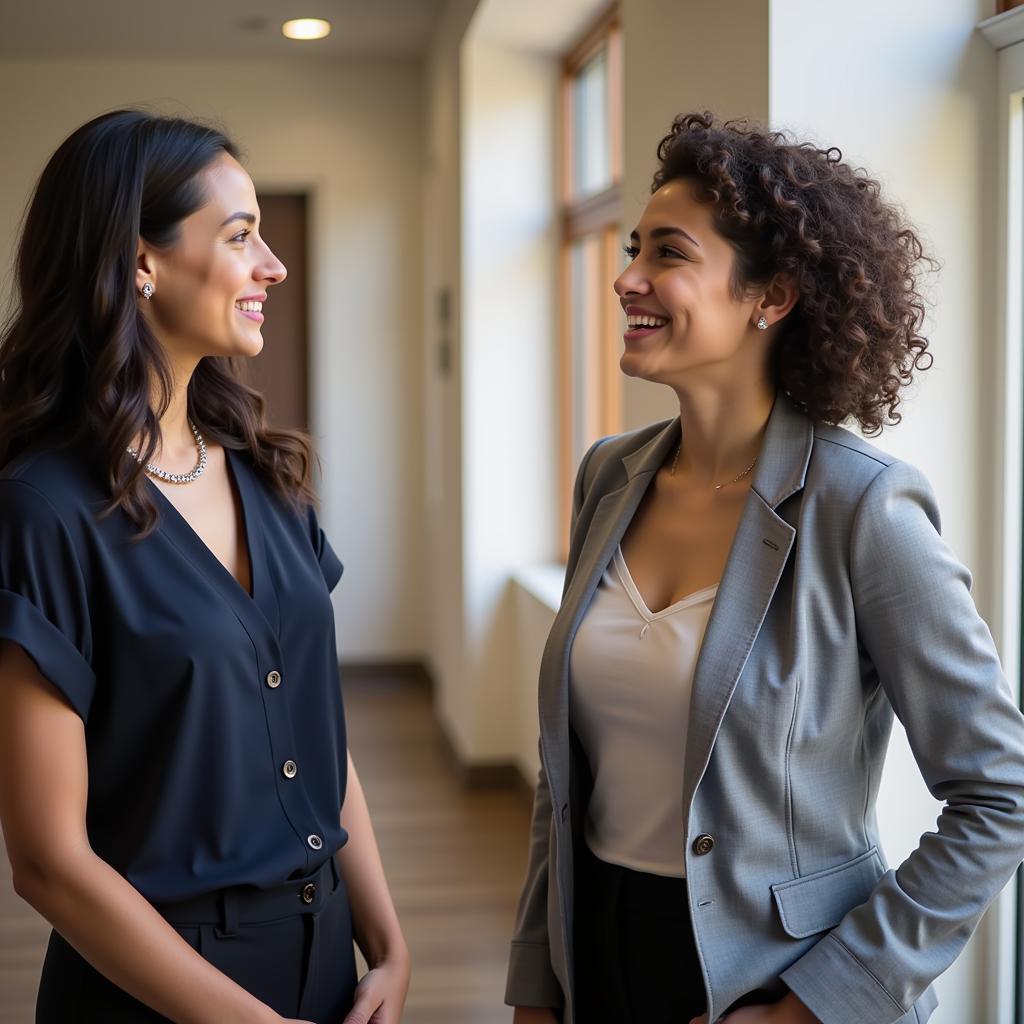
column 390, row 671
column 492, row 775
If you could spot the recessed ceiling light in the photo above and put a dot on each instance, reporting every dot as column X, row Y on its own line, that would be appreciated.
column 306, row 28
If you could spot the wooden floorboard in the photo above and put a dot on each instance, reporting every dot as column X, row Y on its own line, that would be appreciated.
column 454, row 858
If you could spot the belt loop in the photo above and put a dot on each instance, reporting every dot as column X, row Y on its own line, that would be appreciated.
column 228, row 914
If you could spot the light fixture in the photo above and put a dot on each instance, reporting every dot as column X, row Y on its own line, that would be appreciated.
column 306, row 28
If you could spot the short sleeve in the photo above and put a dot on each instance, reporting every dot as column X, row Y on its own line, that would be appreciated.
column 330, row 565
column 43, row 605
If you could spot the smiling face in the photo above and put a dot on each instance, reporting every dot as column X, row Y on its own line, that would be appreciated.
column 684, row 323
column 210, row 285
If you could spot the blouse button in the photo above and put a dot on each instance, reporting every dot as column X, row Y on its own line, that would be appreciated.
column 315, row 842
column 274, row 679
column 289, row 769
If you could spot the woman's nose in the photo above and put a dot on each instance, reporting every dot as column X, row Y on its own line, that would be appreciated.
column 631, row 282
column 273, row 271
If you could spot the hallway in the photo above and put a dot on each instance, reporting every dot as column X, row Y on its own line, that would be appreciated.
column 454, row 860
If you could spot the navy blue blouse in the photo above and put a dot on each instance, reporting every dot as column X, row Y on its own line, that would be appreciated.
column 213, row 718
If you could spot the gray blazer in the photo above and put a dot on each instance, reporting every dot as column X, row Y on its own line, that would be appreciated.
column 839, row 605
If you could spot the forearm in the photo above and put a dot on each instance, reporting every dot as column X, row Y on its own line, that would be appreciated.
column 377, row 930
column 119, row 932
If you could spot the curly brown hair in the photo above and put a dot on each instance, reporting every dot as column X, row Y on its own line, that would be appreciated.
column 852, row 341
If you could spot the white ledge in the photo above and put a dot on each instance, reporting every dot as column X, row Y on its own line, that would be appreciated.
column 1004, row 29
column 542, row 582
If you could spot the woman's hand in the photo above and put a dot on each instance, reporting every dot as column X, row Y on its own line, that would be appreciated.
column 381, row 992
column 789, row 1010
column 533, row 1015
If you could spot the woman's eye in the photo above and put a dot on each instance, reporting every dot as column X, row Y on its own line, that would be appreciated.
column 241, row 236
column 672, row 254
column 631, row 251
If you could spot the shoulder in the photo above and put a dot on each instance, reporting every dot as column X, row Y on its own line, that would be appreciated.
column 843, row 447
column 845, row 464
column 62, row 480
column 849, row 473
column 611, row 450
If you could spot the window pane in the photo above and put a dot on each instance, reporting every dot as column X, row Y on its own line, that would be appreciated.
column 586, row 369
column 592, row 172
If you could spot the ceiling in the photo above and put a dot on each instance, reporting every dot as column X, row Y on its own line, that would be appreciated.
column 209, row 28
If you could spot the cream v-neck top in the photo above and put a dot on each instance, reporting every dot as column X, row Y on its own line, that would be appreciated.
column 630, row 678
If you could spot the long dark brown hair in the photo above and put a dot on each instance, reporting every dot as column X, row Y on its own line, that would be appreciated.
column 76, row 355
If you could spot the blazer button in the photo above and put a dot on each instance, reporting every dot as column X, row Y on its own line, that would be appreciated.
column 289, row 769
column 315, row 842
column 274, row 679
column 703, row 844
column 308, row 892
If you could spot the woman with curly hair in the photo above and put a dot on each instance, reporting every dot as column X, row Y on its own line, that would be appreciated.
column 175, row 789
column 752, row 592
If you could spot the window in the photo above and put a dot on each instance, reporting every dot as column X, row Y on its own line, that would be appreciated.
column 1005, row 920
column 591, row 236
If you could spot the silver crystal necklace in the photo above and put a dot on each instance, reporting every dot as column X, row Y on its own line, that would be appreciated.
column 178, row 478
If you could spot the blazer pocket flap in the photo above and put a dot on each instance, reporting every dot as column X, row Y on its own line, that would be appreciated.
column 818, row 902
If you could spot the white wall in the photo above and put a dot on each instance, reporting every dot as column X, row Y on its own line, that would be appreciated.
column 509, row 359
column 490, row 421
column 442, row 389
column 915, row 104
column 351, row 134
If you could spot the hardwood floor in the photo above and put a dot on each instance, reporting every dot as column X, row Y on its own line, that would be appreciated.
column 454, row 859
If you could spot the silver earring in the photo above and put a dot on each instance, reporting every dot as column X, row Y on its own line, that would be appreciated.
column 147, row 290
column 762, row 323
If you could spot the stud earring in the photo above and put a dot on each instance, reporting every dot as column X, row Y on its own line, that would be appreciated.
column 147, row 290
column 762, row 323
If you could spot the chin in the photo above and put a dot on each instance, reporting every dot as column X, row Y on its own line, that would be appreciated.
column 248, row 347
column 632, row 364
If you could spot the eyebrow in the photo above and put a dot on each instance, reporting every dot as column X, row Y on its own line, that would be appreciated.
column 666, row 232
column 249, row 218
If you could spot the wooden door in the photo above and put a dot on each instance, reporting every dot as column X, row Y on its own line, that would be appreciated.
column 280, row 371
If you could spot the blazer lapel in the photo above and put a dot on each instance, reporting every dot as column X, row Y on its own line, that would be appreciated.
column 607, row 525
column 756, row 560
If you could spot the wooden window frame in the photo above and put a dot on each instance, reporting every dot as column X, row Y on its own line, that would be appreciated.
column 599, row 213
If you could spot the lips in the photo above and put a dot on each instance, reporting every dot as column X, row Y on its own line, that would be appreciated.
column 642, row 323
column 636, row 321
column 251, row 308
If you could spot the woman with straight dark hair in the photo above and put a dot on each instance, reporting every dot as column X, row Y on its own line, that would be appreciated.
column 752, row 593
column 175, row 789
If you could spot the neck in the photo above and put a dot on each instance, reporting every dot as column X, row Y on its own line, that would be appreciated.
column 722, row 429
column 177, row 444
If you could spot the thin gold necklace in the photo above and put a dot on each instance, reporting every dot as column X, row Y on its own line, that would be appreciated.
column 718, row 487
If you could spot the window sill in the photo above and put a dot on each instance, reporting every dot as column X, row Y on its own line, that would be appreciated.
column 543, row 583
column 1004, row 29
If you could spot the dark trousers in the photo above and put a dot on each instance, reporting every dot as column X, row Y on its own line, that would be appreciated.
column 291, row 947
column 634, row 955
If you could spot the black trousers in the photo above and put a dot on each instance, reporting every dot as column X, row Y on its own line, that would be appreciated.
column 634, row 955
column 291, row 947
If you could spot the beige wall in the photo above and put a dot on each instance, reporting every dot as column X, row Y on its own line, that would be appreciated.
column 441, row 436
column 683, row 57
column 352, row 135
